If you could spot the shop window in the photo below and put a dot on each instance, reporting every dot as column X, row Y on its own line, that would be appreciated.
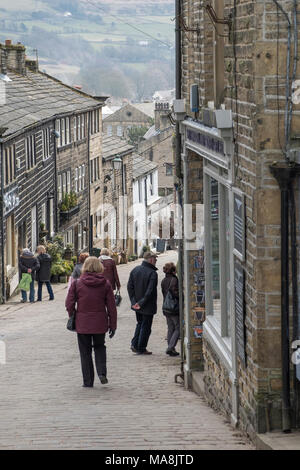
column 9, row 170
column 10, row 243
column 30, row 152
column 169, row 169
column 218, row 256
column 46, row 143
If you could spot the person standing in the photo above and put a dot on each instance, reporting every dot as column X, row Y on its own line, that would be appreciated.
column 28, row 264
column 78, row 267
column 142, row 290
column 110, row 269
column 170, row 283
column 44, row 273
column 96, row 314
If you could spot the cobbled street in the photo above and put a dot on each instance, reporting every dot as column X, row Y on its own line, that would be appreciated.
column 43, row 404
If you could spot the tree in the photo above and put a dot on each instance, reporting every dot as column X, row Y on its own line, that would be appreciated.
column 136, row 134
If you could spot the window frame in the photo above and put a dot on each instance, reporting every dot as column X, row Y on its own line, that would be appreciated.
column 219, row 332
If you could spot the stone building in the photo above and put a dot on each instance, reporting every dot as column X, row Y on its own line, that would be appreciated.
column 121, row 121
column 116, row 220
column 49, row 134
column 237, row 68
column 158, row 146
column 145, row 203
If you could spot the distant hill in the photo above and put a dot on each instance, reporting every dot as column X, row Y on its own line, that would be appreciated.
column 123, row 48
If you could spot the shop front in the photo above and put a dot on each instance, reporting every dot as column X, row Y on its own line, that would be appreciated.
column 209, row 259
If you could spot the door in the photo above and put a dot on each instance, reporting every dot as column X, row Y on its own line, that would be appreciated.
column 33, row 229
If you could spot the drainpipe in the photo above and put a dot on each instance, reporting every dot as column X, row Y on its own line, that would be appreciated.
column 296, row 326
column 284, row 174
column 2, row 225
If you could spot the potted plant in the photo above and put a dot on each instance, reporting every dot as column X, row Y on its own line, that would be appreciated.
column 56, row 271
column 68, row 252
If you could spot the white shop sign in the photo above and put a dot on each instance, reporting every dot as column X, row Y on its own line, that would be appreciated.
column 11, row 200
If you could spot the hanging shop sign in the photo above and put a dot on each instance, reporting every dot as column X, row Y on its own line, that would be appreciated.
column 11, row 200
column 238, row 224
column 239, row 303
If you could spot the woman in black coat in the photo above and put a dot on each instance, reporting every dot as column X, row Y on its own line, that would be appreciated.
column 170, row 283
column 44, row 273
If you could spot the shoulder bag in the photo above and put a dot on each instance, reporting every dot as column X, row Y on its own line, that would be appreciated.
column 118, row 298
column 170, row 303
column 71, row 321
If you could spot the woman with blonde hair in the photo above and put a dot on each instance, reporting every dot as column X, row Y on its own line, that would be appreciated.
column 96, row 314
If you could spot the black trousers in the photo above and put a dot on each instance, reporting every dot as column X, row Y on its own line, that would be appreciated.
column 86, row 344
column 142, row 332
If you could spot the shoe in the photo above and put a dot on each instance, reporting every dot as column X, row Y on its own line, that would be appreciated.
column 103, row 379
column 145, row 352
column 23, row 301
column 172, row 353
column 52, row 298
column 133, row 349
column 88, row 386
column 39, row 300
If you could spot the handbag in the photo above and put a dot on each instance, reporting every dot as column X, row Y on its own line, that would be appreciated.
column 25, row 282
column 170, row 303
column 71, row 324
column 118, row 298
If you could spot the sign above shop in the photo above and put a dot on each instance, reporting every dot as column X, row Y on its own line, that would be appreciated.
column 11, row 200
column 207, row 141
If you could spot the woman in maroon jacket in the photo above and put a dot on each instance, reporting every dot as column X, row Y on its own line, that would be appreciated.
column 110, row 269
column 96, row 314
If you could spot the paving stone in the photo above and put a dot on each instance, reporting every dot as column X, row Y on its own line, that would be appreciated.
column 43, row 405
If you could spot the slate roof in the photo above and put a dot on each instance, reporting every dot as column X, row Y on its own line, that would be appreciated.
column 152, row 132
column 142, row 166
column 146, row 108
column 112, row 146
column 35, row 97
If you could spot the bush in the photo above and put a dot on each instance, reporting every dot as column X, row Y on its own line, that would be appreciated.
column 57, row 269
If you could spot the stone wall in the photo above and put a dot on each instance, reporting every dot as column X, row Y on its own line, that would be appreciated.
column 254, row 74
column 159, row 149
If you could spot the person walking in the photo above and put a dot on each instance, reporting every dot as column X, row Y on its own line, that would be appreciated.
column 28, row 263
column 78, row 267
column 110, row 269
column 96, row 314
column 170, row 283
column 142, row 290
column 44, row 273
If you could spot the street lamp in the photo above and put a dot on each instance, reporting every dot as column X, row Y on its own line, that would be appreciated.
column 117, row 163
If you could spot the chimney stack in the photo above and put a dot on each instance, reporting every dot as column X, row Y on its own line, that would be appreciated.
column 13, row 57
column 161, row 120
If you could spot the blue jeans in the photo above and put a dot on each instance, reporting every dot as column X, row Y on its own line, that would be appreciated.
column 49, row 288
column 31, row 293
column 142, row 332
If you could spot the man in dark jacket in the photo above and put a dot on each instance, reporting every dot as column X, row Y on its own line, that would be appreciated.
column 28, row 264
column 142, row 290
column 44, row 273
